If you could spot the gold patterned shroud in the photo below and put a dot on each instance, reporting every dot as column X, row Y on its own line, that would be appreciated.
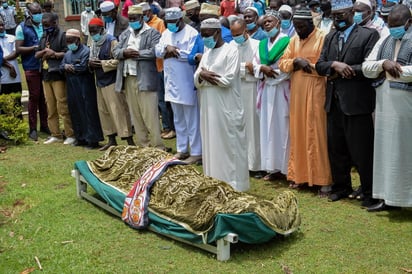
column 189, row 198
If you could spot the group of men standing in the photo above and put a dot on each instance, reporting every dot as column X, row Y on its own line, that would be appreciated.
column 295, row 102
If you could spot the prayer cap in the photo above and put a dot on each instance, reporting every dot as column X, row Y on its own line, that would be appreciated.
column 173, row 13
column 386, row 9
column 145, row 6
column 135, row 9
column 286, row 8
column 189, row 5
column 106, row 6
column 73, row 32
column 206, row 8
column 303, row 13
column 366, row 2
column 96, row 21
column 273, row 13
column 252, row 9
column 341, row 4
column 211, row 23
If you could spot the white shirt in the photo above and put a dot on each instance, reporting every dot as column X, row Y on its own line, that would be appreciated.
column 7, row 43
column 84, row 21
column 130, row 64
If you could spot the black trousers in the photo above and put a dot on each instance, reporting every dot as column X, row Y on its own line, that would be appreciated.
column 350, row 142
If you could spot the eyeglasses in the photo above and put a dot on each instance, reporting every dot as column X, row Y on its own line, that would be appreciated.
column 340, row 16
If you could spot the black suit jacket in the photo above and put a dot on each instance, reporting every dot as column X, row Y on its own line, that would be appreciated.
column 356, row 95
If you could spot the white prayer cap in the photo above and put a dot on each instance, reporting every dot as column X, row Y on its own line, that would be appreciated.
column 366, row 2
column 206, row 8
column 189, row 5
column 145, row 6
column 211, row 23
column 107, row 6
column 73, row 32
column 341, row 4
column 252, row 9
column 135, row 9
column 173, row 13
column 286, row 8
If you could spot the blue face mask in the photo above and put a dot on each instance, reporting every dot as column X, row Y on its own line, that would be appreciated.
column 172, row 27
column 37, row 18
column 397, row 32
column 2, row 34
column 340, row 24
column 318, row 10
column 146, row 18
column 108, row 19
column 357, row 17
column 5, row 5
column 272, row 32
column 251, row 26
column 88, row 9
column 209, row 42
column 96, row 37
column 135, row 25
column 239, row 39
column 285, row 24
column 72, row 47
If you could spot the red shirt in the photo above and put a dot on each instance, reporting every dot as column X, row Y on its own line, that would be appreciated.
column 227, row 7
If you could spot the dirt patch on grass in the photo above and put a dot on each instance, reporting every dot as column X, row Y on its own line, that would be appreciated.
column 2, row 185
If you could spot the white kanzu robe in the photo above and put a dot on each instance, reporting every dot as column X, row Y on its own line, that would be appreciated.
column 248, row 85
column 392, row 165
column 222, row 123
column 273, row 116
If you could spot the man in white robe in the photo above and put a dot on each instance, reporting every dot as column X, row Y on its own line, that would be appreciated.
column 273, row 101
column 221, row 111
column 392, row 163
column 247, row 48
column 174, row 47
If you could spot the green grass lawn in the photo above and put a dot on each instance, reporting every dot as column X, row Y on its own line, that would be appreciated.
column 41, row 216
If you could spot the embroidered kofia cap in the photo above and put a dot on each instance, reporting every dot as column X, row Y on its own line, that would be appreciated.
column 145, row 6
column 303, row 13
column 189, row 5
column 341, row 4
column 366, row 2
column 107, row 6
column 73, row 32
column 211, row 23
column 206, row 8
column 135, row 9
column 173, row 13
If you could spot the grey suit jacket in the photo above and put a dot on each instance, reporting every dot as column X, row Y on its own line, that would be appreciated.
column 147, row 75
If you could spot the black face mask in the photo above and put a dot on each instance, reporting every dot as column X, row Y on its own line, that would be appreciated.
column 305, row 35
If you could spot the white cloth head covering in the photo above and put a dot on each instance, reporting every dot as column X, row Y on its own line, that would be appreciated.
column 366, row 2
column 73, row 32
column 145, row 6
column 211, row 23
column 286, row 8
column 341, row 4
column 206, row 8
column 135, row 9
column 107, row 6
column 252, row 8
column 173, row 13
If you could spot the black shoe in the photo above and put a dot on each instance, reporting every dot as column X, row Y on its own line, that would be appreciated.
column 369, row 201
column 94, row 145
column 33, row 135
column 45, row 130
column 355, row 194
column 79, row 143
column 336, row 196
column 380, row 206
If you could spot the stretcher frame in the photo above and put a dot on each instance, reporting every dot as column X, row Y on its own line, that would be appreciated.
column 221, row 249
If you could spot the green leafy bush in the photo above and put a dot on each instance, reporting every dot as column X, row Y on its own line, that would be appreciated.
column 10, row 119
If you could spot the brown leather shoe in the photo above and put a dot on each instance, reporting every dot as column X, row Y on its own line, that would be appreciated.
column 193, row 160
column 181, row 155
column 170, row 135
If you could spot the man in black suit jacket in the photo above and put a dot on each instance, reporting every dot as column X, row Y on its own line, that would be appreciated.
column 350, row 101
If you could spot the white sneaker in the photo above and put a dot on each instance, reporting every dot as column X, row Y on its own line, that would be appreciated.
column 69, row 141
column 51, row 140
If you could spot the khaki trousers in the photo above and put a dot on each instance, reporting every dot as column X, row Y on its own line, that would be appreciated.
column 113, row 112
column 56, row 101
column 145, row 114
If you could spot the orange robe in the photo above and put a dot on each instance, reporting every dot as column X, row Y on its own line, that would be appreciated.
column 159, row 25
column 308, row 159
